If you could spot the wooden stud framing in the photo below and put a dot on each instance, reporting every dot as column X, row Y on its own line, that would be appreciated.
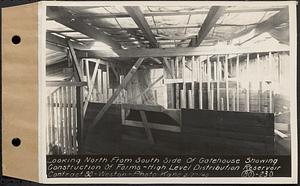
column 183, row 96
column 208, row 76
column 200, row 84
column 116, row 93
column 192, row 101
column 226, row 82
column 237, row 82
column 218, row 81
column 247, row 88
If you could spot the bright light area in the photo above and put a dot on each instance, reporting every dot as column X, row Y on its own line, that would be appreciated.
column 98, row 45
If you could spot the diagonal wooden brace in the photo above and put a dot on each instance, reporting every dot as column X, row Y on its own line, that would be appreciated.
column 117, row 92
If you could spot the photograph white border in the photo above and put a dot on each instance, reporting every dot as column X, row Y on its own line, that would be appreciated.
column 164, row 180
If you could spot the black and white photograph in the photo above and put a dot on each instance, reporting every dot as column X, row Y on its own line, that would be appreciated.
column 212, row 81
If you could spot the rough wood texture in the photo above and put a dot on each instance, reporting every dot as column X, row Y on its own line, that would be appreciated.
column 240, row 131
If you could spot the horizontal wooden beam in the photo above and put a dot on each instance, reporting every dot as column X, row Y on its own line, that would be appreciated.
column 65, row 83
column 137, row 15
column 153, row 108
column 211, row 19
column 64, row 17
column 157, row 126
column 189, row 51
column 150, row 14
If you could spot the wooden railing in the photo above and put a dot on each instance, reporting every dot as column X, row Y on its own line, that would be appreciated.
column 64, row 115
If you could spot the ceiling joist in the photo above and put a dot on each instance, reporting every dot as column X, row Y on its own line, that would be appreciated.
column 211, row 19
column 64, row 17
column 137, row 15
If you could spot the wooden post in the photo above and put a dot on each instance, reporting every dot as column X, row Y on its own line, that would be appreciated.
column 237, row 83
column 70, row 118
column 200, row 85
column 91, row 87
column 177, row 90
column 233, row 101
column 87, row 67
column 192, row 101
column 176, row 67
column 270, row 83
column 247, row 87
column 183, row 97
column 259, row 96
column 65, row 120
column 147, row 127
column 57, row 118
column 107, row 76
column 74, row 123
column 80, row 125
column 68, row 124
column 104, row 86
column 116, row 93
column 218, row 81
column 208, row 84
column 222, row 104
column 61, row 124
column 226, row 82
column 99, row 85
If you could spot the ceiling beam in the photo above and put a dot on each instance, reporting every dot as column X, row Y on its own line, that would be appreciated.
column 215, row 12
column 150, row 14
column 63, row 16
column 182, row 51
column 137, row 15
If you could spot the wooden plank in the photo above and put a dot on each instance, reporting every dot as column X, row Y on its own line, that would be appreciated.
column 78, row 68
column 200, row 85
column 57, row 123
column 91, row 87
column 74, row 121
column 183, row 92
column 64, row 83
column 247, row 88
column 177, row 95
column 167, row 67
column 215, row 12
column 176, row 67
column 219, row 73
column 182, row 99
column 99, row 84
column 146, row 126
column 79, row 114
column 107, row 75
column 151, row 108
column 64, row 120
column 183, row 51
column 105, row 92
column 116, row 93
column 209, row 100
column 192, row 100
column 226, row 82
column 237, row 82
column 156, row 126
column 70, row 119
column 270, row 69
column 137, row 15
column 87, row 71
